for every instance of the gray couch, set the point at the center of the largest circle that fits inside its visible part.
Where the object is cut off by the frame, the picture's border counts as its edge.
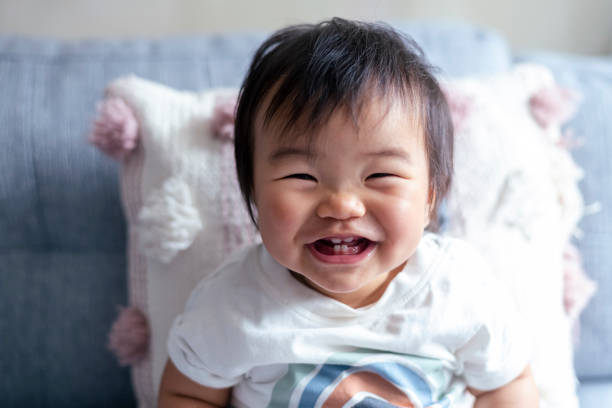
(62, 232)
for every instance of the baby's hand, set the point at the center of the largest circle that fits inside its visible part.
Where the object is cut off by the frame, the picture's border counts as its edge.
(519, 393)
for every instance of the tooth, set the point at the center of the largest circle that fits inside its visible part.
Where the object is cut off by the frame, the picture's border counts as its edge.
(336, 240)
(337, 248)
(349, 240)
(345, 248)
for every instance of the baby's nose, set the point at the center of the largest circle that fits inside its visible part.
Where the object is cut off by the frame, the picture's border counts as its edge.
(341, 206)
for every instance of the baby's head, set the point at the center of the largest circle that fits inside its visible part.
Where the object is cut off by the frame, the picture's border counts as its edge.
(344, 148)
(302, 74)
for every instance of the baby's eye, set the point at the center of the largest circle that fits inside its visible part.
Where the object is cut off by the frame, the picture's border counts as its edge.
(379, 175)
(302, 176)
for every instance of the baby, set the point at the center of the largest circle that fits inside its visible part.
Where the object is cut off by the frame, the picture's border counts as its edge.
(344, 149)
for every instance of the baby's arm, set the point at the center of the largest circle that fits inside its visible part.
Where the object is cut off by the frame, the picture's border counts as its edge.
(519, 393)
(178, 391)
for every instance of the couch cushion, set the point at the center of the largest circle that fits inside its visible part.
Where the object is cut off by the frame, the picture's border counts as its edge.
(55, 310)
(595, 393)
(592, 77)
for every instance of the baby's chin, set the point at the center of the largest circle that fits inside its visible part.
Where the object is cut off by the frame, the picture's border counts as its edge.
(332, 289)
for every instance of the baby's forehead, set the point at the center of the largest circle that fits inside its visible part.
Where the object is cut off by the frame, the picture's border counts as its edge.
(380, 130)
(365, 117)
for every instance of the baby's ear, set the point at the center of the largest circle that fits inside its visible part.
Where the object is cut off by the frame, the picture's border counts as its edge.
(427, 215)
(431, 198)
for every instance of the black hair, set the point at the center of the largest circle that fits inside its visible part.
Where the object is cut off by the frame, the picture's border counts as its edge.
(308, 71)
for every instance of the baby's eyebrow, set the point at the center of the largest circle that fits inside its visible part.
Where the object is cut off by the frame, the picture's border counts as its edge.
(284, 152)
(391, 153)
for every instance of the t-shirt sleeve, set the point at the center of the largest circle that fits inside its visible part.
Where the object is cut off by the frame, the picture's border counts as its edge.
(189, 352)
(493, 357)
(499, 348)
(207, 342)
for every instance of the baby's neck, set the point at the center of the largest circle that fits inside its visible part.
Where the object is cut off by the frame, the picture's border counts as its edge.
(362, 297)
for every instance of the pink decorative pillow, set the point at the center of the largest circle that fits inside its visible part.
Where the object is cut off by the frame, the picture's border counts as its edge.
(515, 196)
(183, 207)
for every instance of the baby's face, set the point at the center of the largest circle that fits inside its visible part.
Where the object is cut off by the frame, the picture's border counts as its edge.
(347, 213)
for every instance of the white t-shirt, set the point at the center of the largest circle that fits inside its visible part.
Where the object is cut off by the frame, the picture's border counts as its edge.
(443, 323)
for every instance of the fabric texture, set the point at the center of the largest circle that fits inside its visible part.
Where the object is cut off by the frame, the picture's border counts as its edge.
(444, 320)
(516, 198)
(592, 128)
(51, 300)
(182, 203)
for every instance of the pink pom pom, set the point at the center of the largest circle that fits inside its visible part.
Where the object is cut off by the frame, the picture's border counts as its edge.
(578, 288)
(553, 105)
(460, 106)
(222, 123)
(115, 130)
(129, 336)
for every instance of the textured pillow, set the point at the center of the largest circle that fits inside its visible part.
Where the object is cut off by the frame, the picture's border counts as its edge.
(183, 207)
(514, 196)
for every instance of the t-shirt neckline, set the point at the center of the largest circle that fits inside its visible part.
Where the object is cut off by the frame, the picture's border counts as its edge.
(302, 300)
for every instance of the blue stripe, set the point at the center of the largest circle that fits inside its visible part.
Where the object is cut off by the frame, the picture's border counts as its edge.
(316, 386)
(395, 373)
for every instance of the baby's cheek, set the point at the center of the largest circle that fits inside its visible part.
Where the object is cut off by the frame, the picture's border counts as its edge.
(279, 224)
(281, 209)
(403, 220)
(278, 213)
(393, 211)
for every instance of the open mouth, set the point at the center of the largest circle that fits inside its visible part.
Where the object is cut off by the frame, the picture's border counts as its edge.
(341, 250)
(337, 246)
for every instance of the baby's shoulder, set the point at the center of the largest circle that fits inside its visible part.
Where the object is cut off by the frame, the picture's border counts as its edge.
(219, 288)
(463, 293)
(444, 256)
(462, 273)
(450, 254)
